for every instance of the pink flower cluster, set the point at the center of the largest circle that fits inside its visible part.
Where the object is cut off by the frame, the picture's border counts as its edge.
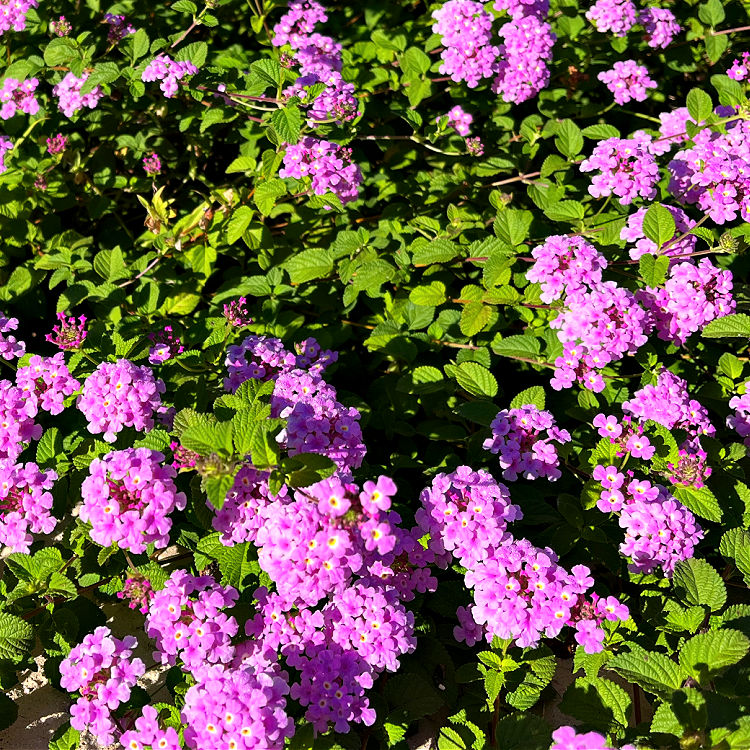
(740, 69)
(521, 8)
(692, 296)
(659, 530)
(626, 169)
(525, 439)
(17, 425)
(70, 99)
(672, 130)
(627, 435)
(237, 709)
(6, 145)
(668, 402)
(459, 120)
(466, 29)
(633, 232)
(69, 333)
(596, 327)
(170, 72)
(522, 63)
(10, 346)
(237, 314)
(166, 346)
(740, 420)
(18, 96)
(13, 14)
(25, 504)
(152, 164)
(186, 621)
(56, 145)
(327, 164)
(466, 513)
(127, 498)
(617, 16)
(148, 734)
(565, 264)
(714, 173)
(101, 669)
(627, 81)
(298, 23)
(138, 593)
(120, 394)
(660, 26)
(47, 381)
(565, 738)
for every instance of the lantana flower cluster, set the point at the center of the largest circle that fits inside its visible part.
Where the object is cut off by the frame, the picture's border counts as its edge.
(127, 498)
(70, 99)
(102, 671)
(18, 96)
(677, 246)
(627, 81)
(619, 16)
(171, 73)
(47, 382)
(525, 440)
(10, 346)
(13, 14)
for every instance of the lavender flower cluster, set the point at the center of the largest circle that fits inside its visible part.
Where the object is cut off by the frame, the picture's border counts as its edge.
(619, 17)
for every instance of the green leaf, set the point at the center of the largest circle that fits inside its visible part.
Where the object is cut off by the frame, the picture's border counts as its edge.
(437, 251)
(730, 365)
(474, 318)
(195, 52)
(711, 12)
(238, 223)
(267, 193)
(736, 325)
(517, 346)
(209, 437)
(476, 379)
(701, 501)
(597, 701)
(110, 264)
(16, 637)
(185, 6)
(533, 395)
(412, 697)
(430, 295)
(287, 122)
(304, 469)
(700, 584)
(512, 225)
(652, 671)
(653, 269)
(571, 211)
(707, 654)
(716, 46)
(658, 225)
(569, 140)
(414, 62)
(49, 446)
(699, 105)
(601, 132)
(315, 263)
(60, 51)
(235, 562)
(730, 92)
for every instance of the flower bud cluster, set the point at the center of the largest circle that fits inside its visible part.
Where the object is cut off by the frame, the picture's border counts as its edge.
(69, 333)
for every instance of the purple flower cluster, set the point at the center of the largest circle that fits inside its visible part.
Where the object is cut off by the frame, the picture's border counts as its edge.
(69, 333)
(13, 14)
(152, 164)
(148, 734)
(660, 26)
(298, 23)
(47, 381)
(627, 81)
(627, 435)
(740, 69)
(327, 164)
(336, 103)
(101, 669)
(170, 72)
(668, 403)
(18, 96)
(10, 346)
(692, 296)
(257, 358)
(522, 8)
(714, 173)
(659, 530)
(120, 394)
(17, 425)
(127, 498)
(626, 169)
(525, 439)
(185, 619)
(119, 27)
(466, 513)
(617, 16)
(596, 327)
(565, 264)
(6, 145)
(671, 130)
(70, 99)
(520, 592)
(166, 346)
(459, 120)
(522, 63)
(25, 504)
(237, 709)
(466, 29)
(740, 420)
(674, 247)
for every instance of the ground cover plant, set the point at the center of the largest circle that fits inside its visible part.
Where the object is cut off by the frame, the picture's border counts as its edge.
(389, 359)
